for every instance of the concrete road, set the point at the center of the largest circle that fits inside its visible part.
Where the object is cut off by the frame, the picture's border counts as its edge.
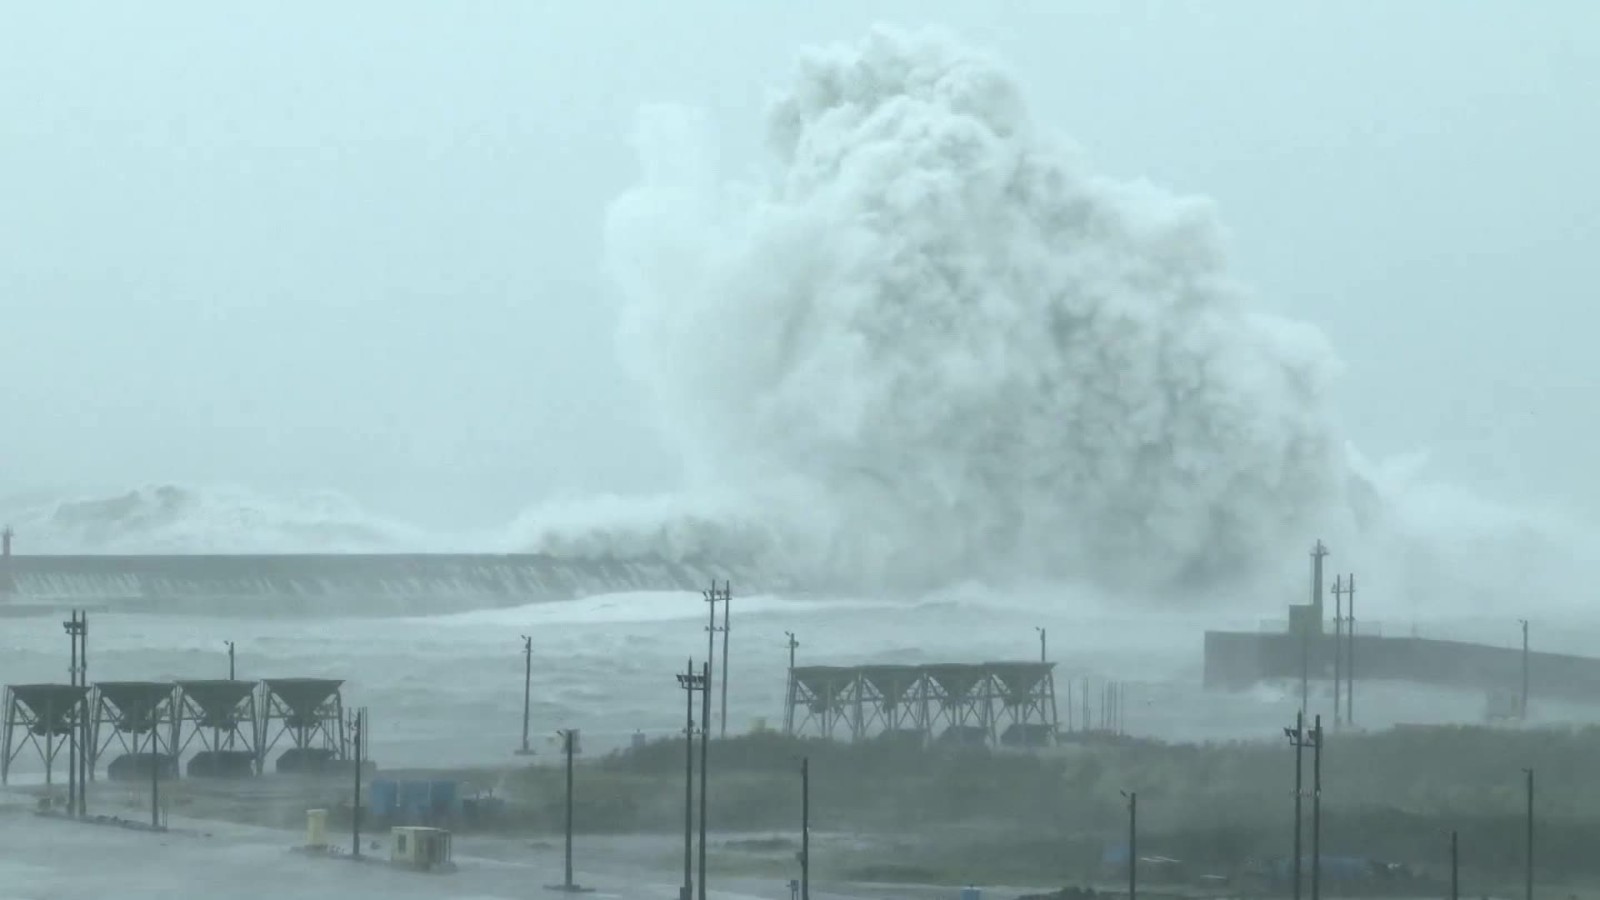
(65, 860)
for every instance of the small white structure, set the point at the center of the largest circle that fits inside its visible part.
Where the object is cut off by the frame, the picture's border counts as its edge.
(424, 849)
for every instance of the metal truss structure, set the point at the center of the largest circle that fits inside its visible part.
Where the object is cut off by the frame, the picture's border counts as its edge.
(43, 716)
(992, 703)
(131, 711)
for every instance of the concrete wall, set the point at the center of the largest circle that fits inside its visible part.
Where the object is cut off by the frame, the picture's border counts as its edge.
(343, 584)
(1236, 660)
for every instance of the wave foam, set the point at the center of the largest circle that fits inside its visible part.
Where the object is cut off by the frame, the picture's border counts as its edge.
(172, 519)
(935, 345)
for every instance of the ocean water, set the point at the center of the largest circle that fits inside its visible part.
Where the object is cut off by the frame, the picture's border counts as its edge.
(447, 690)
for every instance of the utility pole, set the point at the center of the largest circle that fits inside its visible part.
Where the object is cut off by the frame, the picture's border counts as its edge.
(727, 604)
(690, 681)
(1528, 873)
(527, 692)
(788, 700)
(1133, 843)
(1316, 811)
(357, 725)
(230, 660)
(73, 736)
(1319, 552)
(1041, 642)
(1297, 740)
(713, 596)
(85, 760)
(1455, 869)
(805, 828)
(1350, 648)
(1338, 648)
(705, 746)
(1524, 669)
(155, 774)
(569, 738)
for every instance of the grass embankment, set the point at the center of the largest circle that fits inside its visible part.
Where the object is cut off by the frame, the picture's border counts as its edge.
(952, 816)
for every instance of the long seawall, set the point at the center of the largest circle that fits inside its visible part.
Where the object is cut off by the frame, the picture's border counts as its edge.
(336, 584)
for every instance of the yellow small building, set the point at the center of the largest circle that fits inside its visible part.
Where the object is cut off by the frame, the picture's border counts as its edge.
(424, 849)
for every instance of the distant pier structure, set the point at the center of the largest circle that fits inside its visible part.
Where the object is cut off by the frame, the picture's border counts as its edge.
(991, 703)
(1306, 650)
(8, 585)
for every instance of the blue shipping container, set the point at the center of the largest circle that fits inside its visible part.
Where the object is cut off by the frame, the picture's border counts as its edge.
(383, 797)
(414, 804)
(442, 795)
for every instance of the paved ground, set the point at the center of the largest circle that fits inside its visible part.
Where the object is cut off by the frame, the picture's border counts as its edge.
(44, 857)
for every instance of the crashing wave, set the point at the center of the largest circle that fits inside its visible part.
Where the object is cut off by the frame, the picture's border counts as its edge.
(935, 345)
(172, 519)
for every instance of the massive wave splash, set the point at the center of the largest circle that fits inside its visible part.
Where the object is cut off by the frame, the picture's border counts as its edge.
(167, 518)
(933, 344)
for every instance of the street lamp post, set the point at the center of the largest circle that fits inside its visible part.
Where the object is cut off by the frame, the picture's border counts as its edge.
(1524, 622)
(727, 605)
(1133, 843)
(357, 725)
(788, 700)
(1040, 629)
(805, 828)
(690, 681)
(1528, 871)
(230, 660)
(1316, 810)
(569, 740)
(705, 739)
(712, 596)
(1297, 740)
(72, 629)
(155, 774)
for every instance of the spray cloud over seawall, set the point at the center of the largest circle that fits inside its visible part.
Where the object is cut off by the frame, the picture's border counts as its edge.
(933, 345)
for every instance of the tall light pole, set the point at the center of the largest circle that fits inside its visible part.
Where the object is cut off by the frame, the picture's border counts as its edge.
(569, 740)
(690, 681)
(1133, 843)
(1297, 740)
(527, 692)
(1040, 629)
(230, 660)
(1316, 810)
(788, 700)
(713, 596)
(1524, 668)
(1528, 871)
(155, 774)
(727, 604)
(705, 746)
(358, 722)
(85, 760)
(1338, 648)
(72, 628)
(805, 828)
(1350, 650)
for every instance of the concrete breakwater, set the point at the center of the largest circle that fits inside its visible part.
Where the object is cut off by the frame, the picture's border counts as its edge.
(339, 584)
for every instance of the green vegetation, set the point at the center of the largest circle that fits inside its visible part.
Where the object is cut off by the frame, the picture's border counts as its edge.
(1048, 817)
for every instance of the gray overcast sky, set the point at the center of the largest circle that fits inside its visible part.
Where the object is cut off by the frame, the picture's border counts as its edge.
(358, 245)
